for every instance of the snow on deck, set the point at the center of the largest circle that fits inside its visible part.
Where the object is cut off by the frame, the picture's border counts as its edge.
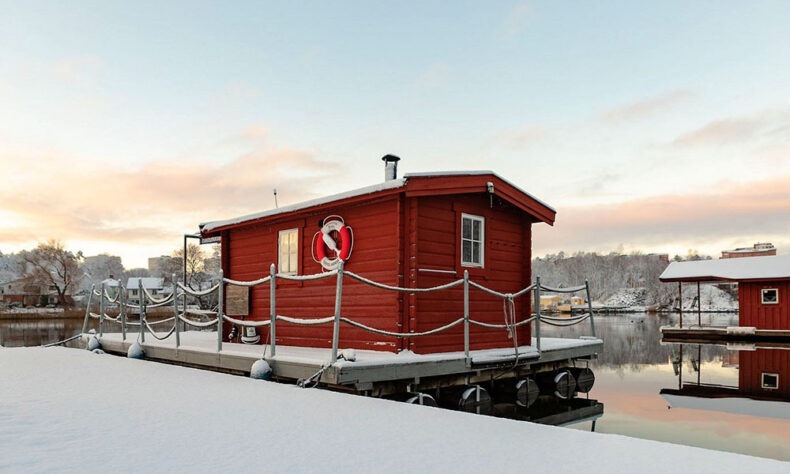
(70, 410)
(733, 269)
(205, 341)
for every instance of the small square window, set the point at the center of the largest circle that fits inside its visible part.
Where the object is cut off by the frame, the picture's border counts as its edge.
(288, 245)
(770, 296)
(472, 240)
(770, 381)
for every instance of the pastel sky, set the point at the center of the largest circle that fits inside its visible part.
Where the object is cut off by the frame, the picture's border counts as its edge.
(659, 126)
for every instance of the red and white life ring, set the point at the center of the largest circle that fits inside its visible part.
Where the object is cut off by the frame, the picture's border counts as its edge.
(327, 251)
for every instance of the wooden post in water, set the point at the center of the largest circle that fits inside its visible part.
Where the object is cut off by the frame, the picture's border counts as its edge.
(699, 307)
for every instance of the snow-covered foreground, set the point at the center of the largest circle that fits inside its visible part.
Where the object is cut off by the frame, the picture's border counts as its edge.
(72, 410)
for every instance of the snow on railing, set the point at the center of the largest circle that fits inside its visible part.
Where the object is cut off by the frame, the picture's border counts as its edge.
(508, 301)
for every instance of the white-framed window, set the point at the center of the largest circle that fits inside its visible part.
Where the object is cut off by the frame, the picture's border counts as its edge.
(770, 296)
(288, 249)
(472, 240)
(770, 381)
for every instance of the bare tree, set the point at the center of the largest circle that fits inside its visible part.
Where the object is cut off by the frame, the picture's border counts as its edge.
(50, 265)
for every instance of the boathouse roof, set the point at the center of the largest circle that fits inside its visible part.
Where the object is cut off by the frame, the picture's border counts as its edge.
(446, 182)
(769, 268)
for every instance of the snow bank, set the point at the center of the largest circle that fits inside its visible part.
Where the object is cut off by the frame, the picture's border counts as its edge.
(70, 411)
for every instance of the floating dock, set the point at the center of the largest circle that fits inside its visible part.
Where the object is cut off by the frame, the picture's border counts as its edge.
(704, 334)
(379, 371)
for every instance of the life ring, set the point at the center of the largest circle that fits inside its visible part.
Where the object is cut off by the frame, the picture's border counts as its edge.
(326, 243)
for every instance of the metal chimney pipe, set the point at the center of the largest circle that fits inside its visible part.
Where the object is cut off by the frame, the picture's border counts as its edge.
(390, 167)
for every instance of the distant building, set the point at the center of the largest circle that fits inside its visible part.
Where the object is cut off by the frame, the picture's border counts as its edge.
(760, 249)
(26, 293)
(158, 264)
(660, 256)
(154, 286)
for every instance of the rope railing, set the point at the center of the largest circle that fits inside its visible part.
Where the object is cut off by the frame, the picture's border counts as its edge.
(508, 301)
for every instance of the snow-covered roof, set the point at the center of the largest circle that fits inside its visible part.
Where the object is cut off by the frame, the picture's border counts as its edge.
(730, 269)
(383, 186)
(149, 283)
(736, 405)
(109, 282)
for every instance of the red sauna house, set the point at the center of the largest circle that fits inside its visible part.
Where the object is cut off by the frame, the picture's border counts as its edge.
(763, 286)
(419, 231)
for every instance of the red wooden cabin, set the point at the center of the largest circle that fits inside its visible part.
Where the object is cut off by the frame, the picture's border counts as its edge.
(419, 231)
(763, 286)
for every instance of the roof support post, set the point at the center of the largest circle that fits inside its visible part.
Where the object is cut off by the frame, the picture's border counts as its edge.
(680, 302)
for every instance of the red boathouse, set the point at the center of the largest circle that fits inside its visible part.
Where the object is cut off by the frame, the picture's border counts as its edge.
(763, 286)
(422, 230)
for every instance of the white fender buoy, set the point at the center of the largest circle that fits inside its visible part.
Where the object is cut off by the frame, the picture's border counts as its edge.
(93, 343)
(261, 370)
(135, 351)
(98, 351)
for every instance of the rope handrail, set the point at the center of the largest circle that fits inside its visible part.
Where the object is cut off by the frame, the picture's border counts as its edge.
(111, 300)
(570, 323)
(382, 332)
(241, 322)
(314, 276)
(153, 333)
(572, 289)
(579, 317)
(156, 300)
(198, 324)
(247, 283)
(192, 292)
(501, 295)
(305, 321)
(171, 318)
(402, 289)
(64, 341)
(502, 326)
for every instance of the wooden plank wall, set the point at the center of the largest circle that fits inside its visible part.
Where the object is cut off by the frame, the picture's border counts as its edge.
(375, 255)
(507, 251)
(763, 316)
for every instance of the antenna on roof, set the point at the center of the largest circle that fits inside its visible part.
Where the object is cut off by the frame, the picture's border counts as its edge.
(275, 199)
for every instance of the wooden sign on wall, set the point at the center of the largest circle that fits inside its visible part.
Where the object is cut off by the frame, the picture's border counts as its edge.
(237, 300)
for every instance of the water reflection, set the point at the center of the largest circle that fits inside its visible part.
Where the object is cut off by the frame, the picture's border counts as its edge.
(762, 388)
(25, 332)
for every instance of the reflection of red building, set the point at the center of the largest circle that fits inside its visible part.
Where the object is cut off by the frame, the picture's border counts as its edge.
(759, 369)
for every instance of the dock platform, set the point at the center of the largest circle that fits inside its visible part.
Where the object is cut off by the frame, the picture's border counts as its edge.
(199, 349)
(724, 334)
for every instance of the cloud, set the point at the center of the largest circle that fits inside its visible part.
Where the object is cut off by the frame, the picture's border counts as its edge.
(718, 216)
(75, 199)
(646, 108)
(76, 68)
(435, 75)
(517, 19)
(771, 124)
(520, 138)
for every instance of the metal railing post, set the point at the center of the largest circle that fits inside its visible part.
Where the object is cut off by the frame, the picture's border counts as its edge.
(141, 301)
(466, 319)
(537, 312)
(88, 310)
(272, 311)
(589, 307)
(122, 308)
(336, 328)
(220, 308)
(175, 312)
(101, 311)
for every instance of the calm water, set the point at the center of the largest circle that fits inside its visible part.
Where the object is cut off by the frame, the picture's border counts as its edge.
(631, 374)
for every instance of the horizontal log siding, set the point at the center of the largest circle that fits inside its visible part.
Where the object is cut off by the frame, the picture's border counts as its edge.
(764, 316)
(375, 255)
(507, 247)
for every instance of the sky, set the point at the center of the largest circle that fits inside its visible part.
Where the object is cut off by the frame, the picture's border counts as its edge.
(652, 126)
